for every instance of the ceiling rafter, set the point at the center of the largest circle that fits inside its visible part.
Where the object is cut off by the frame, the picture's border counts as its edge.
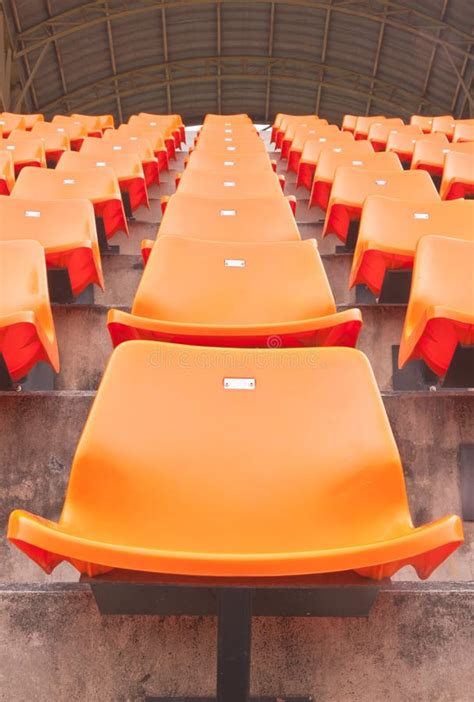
(57, 53)
(271, 31)
(323, 55)
(25, 59)
(113, 63)
(252, 68)
(416, 22)
(432, 58)
(219, 51)
(375, 67)
(164, 36)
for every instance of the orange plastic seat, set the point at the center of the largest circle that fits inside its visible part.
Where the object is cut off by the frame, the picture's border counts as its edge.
(231, 162)
(55, 139)
(349, 123)
(27, 333)
(362, 125)
(463, 131)
(220, 131)
(64, 228)
(226, 219)
(440, 312)
(458, 175)
(444, 124)
(242, 183)
(212, 142)
(379, 131)
(127, 168)
(74, 128)
(303, 135)
(276, 125)
(98, 185)
(196, 482)
(358, 155)
(7, 173)
(403, 143)
(352, 186)
(165, 128)
(25, 152)
(424, 122)
(175, 120)
(227, 120)
(177, 300)
(10, 121)
(286, 120)
(155, 138)
(312, 150)
(19, 121)
(95, 124)
(288, 129)
(115, 144)
(429, 155)
(390, 230)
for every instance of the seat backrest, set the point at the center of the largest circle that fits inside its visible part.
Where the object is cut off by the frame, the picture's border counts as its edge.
(444, 124)
(123, 165)
(354, 185)
(233, 283)
(303, 459)
(137, 132)
(402, 223)
(51, 184)
(404, 141)
(24, 149)
(362, 125)
(23, 281)
(333, 158)
(116, 144)
(302, 134)
(228, 162)
(227, 119)
(240, 184)
(433, 153)
(45, 221)
(314, 146)
(224, 219)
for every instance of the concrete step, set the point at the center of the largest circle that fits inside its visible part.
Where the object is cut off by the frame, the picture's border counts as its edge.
(84, 342)
(415, 645)
(39, 433)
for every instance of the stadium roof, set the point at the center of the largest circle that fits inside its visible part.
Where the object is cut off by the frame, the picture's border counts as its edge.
(330, 57)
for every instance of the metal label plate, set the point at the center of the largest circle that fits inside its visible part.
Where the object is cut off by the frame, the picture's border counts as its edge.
(32, 213)
(228, 213)
(239, 383)
(421, 215)
(234, 262)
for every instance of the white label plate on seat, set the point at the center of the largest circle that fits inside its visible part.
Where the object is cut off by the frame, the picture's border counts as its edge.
(228, 213)
(239, 383)
(234, 262)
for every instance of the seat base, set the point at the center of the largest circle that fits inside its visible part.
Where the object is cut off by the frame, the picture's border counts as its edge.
(6, 381)
(234, 601)
(466, 471)
(351, 240)
(415, 376)
(104, 245)
(396, 287)
(460, 373)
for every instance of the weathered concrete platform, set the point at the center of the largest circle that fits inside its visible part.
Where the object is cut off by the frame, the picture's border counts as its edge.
(34, 468)
(415, 645)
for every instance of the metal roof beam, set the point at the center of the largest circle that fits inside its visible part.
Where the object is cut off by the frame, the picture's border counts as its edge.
(461, 82)
(376, 64)
(58, 56)
(164, 34)
(25, 61)
(113, 62)
(219, 51)
(271, 32)
(323, 56)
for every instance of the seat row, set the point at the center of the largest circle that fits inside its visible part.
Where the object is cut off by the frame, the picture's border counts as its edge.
(192, 454)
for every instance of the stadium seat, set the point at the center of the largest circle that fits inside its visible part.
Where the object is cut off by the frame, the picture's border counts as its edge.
(75, 129)
(252, 219)
(363, 158)
(98, 185)
(55, 142)
(10, 121)
(390, 230)
(352, 186)
(458, 175)
(229, 163)
(190, 457)
(403, 144)
(164, 128)
(349, 123)
(220, 130)
(463, 131)
(7, 173)
(276, 125)
(27, 333)
(440, 313)
(241, 183)
(430, 155)
(127, 168)
(445, 125)
(155, 139)
(312, 150)
(235, 294)
(298, 120)
(175, 121)
(25, 152)
(235, 143)
(288, 130)
(64, 228)
(380, 133)
(227, 120)
(114, 142)
(95, 124)
(91, 124)
(424, 122)
(362, 125)
(303, 135)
